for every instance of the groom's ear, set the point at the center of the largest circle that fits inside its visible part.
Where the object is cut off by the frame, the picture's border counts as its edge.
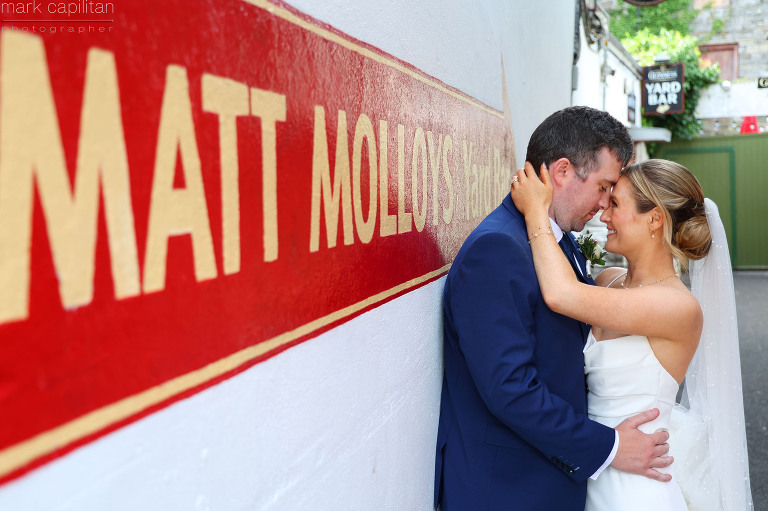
(560, 171)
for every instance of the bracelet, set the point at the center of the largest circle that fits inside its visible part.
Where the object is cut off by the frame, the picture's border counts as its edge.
(536, 235)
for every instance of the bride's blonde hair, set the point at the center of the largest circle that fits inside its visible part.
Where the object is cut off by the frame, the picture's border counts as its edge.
(678, 195)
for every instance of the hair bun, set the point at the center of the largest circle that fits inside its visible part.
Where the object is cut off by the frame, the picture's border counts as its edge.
(693, 237)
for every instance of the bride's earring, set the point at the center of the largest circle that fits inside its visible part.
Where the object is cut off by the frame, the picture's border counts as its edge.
(653, 235)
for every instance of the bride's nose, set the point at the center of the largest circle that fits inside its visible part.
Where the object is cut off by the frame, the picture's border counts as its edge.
(605, 216)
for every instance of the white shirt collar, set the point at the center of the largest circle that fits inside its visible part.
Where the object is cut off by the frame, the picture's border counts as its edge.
(556, 230)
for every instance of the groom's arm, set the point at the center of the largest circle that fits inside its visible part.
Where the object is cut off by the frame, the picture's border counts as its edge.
(493, 296)
(610, 458)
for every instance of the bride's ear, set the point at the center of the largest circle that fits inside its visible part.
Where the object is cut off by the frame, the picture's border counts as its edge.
(656, 219)
(560, 170)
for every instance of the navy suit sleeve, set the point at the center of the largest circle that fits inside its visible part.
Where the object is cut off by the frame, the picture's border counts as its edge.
(493, 296)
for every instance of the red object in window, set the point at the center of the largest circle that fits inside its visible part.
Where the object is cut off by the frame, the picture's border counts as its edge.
(749, 125)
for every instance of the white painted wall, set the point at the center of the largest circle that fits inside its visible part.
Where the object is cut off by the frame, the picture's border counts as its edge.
(346, 420)
(737, 99)
(609, 95)
(463, 43)
(624, 81)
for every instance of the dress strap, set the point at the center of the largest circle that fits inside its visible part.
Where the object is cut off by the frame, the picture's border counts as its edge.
(617, 277)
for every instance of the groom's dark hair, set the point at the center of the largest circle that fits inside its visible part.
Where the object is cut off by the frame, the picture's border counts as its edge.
(579, 133)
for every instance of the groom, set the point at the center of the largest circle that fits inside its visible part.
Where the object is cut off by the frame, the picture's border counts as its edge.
(513, 432)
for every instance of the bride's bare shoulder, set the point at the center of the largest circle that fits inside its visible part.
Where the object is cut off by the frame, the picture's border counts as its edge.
(685, 307)
(689, 303)
(610, 276)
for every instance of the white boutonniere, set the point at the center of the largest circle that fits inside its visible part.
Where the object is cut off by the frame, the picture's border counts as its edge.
(592, 251)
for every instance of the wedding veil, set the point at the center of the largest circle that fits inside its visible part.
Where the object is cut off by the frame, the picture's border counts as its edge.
(713, 472)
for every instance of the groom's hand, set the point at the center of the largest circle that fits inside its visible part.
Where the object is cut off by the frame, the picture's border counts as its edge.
(640, 453)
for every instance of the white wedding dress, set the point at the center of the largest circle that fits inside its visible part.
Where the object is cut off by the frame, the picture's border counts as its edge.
(707, 433)
(625, 378)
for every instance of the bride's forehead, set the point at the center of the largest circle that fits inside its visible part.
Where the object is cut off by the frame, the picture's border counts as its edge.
(623, 184)
(622, 187)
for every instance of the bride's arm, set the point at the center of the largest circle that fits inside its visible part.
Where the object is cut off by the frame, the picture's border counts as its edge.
(654, 311)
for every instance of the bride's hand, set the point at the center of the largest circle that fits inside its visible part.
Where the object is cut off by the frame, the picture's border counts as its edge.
(530, 193)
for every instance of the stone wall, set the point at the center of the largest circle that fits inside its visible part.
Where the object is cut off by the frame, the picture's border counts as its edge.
(743, 21)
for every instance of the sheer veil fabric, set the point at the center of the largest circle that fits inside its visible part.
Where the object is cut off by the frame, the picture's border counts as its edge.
(708, 437)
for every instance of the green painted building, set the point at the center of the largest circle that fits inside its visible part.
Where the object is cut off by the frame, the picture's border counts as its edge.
(733, 171)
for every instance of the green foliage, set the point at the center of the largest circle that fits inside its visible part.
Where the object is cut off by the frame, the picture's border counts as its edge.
(645, 45)
(674, 15)
(718, 26)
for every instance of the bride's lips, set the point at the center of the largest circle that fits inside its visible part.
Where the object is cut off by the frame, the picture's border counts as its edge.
(610, 233)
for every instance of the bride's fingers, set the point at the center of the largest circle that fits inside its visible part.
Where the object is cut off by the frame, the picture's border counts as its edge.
(544, 174)
(522, 175)
(529, 171)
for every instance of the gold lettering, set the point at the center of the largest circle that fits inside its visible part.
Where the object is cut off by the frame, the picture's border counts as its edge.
(434, 163)
(271, 108)
(228, 99)
(321, 184)
(31, 148)
(102, 147)
(364, 131)
(448, 210)
(388, 222)
(177, 211)
(404, 220)
(419, 150)
(467, 153)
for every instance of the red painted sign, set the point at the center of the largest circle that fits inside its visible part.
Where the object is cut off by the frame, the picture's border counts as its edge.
(190, 187)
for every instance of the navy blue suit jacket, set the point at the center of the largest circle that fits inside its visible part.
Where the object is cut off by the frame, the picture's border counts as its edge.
(513, 432)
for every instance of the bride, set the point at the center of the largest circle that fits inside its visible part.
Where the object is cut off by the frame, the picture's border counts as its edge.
(649, 334)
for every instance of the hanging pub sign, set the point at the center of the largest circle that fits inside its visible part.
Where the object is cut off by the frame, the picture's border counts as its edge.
(663, 89)
(644, 3)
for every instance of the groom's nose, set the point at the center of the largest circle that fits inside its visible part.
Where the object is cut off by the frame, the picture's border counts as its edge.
(604, 199)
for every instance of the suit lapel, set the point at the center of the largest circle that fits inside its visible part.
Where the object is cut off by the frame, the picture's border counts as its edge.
(574, 257)
(580, 270)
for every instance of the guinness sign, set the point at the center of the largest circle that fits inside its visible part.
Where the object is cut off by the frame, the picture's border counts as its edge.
(663, 89)
(644, 3)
